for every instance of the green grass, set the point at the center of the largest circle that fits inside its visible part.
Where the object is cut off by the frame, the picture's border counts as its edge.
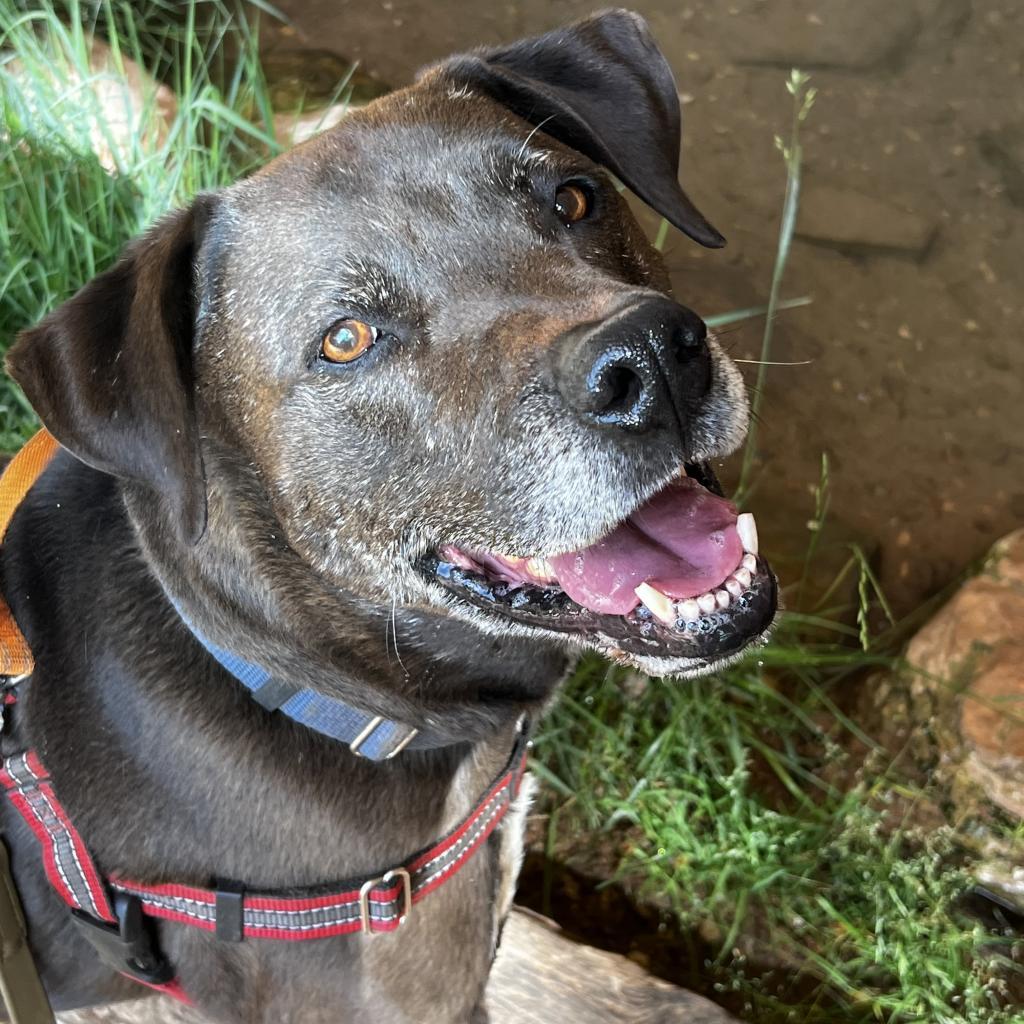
(749, 806)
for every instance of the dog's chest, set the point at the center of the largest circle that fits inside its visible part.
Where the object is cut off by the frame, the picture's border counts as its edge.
(437, 961)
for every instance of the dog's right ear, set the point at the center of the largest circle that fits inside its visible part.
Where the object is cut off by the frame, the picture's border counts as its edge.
(110, 371)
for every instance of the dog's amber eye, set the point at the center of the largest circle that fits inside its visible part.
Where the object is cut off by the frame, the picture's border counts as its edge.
(571, 204)
(347, 340)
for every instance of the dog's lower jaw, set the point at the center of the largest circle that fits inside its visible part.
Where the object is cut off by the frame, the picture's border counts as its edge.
(672, 669)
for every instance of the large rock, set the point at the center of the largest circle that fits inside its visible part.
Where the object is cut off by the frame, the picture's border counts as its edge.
(968, 665)
(853, 222)
(118, 104)
(826, 34)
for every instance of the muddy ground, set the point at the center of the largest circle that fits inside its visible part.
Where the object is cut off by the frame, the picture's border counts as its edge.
(911, 241)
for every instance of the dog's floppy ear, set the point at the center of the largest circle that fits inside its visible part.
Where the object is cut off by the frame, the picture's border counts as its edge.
(602, 87)
(110, 371)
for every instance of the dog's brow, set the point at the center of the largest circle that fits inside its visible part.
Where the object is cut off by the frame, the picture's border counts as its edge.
(536, 157)
(370, 283)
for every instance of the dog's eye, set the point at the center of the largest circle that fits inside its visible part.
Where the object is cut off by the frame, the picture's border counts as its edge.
(347, 340)
(571, 204)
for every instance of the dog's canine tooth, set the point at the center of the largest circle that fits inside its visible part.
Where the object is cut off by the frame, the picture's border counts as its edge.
(689, 610)
(707, 602)
(659, 605)
(722, 598)
(743, 577)
(747, 529)
(749, 563)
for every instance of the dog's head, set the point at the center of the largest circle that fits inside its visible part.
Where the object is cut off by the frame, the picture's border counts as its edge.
(442, 347)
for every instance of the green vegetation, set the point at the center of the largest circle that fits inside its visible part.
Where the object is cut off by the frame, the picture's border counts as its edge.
(750, 807)
(749, 804)
(63, 215)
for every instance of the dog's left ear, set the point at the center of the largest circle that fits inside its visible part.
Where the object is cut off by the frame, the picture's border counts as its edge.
(110, 371)
(602, 87)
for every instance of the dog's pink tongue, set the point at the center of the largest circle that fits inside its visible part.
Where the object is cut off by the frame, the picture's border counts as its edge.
(683, 542)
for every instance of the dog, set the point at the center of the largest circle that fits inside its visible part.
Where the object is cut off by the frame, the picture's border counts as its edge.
(408, 419)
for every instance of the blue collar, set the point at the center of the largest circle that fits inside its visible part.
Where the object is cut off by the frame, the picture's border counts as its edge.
(370, 736)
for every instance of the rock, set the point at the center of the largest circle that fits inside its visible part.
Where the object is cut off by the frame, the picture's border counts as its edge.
(968, 665)
(312, 90)
(540, 977)
(543, 977)
(149, 1010)
(853, 222)
(833, 34)
(992, 728)
(131, 108)
(1002, 882)
(291, 129)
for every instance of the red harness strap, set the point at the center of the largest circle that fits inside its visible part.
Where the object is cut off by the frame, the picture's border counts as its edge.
(379, 903)
(67, 862)
(376, 904)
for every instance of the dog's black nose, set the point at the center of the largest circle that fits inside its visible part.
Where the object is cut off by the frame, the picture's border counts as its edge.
(645, 367)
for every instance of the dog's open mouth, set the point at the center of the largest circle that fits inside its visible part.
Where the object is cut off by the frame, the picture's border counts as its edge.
(680, 578)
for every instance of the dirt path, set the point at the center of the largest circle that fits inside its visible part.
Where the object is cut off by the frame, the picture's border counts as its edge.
(912, 241)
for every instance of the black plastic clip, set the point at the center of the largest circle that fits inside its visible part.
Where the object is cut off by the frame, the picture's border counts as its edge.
(127, 946)
(230, 911)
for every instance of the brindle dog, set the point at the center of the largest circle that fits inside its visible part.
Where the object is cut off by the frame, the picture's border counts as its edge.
(328, 413)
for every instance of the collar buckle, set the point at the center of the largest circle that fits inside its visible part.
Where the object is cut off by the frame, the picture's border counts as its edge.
(368, 886)
(371, 727)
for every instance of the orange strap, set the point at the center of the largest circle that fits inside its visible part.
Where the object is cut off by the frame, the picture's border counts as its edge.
(21, 473)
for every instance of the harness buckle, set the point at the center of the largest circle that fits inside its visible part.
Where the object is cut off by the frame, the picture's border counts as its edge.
(367, 887)
(126, 946)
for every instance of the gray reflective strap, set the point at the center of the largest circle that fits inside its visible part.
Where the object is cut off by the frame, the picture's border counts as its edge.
(19, 980)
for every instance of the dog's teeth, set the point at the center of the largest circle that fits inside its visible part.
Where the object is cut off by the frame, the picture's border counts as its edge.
(747, 529)
(541, 568)
(749, 563)
(722, 598)
(707, 603)
(660, 606)
(689, 610)
(734, 586)
(743, 577)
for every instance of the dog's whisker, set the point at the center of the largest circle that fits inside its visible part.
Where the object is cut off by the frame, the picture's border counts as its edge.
(770, 362)
(536, 128)
(394, 632)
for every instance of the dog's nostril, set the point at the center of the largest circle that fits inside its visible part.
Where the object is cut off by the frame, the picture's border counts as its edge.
(618, 390)
(690, 334)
